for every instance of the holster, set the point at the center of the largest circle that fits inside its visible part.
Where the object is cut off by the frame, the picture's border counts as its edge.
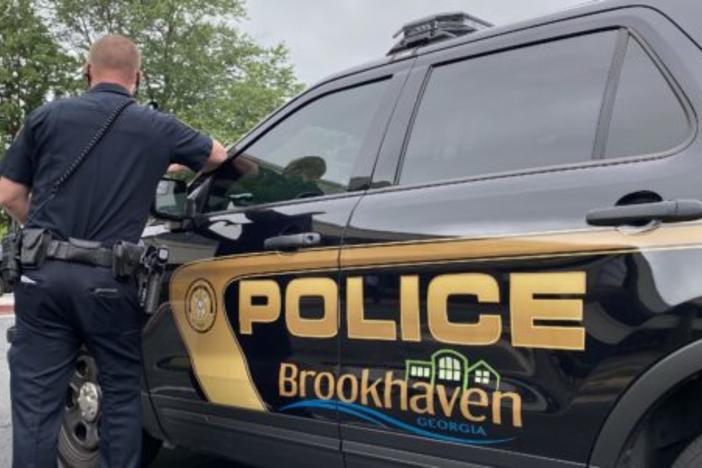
(126, 259)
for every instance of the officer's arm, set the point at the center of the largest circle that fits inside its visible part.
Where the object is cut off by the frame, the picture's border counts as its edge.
(217, 156)
(14, 198)
(17, 173)
(191, 148)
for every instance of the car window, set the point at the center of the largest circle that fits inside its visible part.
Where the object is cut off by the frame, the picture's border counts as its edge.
(310, 153)
(524, 108)
(648, 117)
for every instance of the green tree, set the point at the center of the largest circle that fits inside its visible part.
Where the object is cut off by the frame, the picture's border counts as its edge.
(32, 66)
(198, 65)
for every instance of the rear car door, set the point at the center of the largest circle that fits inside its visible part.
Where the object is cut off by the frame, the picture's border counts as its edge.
(256, 290)
(483, 319)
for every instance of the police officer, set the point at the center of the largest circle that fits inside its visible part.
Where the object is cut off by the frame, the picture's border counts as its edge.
(64, 304)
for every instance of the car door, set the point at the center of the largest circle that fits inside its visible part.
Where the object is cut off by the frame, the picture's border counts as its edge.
(484, 321)
(255, 294)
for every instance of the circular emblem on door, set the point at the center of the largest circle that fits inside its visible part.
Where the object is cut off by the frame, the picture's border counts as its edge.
(201, 307)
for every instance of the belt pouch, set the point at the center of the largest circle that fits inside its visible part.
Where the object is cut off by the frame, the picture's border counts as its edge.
(35, 245)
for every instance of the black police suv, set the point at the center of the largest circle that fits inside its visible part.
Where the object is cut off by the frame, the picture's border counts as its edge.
(482, 250)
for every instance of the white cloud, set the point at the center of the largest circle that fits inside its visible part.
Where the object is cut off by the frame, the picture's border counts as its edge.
(327, 36)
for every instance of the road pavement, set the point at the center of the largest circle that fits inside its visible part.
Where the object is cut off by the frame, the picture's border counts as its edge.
(168, 458)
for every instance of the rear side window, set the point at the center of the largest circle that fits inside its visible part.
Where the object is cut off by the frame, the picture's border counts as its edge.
(530, 107)
(541, 106)
(647, 117)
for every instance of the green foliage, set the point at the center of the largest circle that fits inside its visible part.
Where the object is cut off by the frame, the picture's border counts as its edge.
(197, 64)
(32, 66)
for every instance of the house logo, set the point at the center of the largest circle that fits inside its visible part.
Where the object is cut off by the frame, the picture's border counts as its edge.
(451, 368)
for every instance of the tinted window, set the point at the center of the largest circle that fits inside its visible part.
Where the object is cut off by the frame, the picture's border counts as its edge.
(648, 117)
(529, 107)
(310, 153)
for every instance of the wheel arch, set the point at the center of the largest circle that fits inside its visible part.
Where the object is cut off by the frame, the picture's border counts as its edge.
(665, 376)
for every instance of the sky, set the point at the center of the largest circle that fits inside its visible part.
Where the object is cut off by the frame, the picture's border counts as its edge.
(328, 36)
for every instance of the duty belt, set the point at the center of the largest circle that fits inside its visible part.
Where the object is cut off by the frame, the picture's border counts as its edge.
(80, 251)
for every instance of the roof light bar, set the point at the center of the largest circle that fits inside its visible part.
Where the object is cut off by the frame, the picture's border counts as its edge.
(437, 28)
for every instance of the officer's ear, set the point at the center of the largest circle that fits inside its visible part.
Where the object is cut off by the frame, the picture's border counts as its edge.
(138, 82)
(86, 74)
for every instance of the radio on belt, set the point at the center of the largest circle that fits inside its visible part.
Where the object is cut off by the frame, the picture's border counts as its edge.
(150, 277)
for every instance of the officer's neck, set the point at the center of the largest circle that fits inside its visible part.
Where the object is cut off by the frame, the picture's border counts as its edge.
(129, 87)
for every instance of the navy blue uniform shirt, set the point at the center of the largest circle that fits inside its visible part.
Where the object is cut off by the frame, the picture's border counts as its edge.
(109, 197)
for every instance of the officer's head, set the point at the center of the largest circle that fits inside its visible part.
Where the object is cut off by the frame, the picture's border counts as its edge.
(114, 59)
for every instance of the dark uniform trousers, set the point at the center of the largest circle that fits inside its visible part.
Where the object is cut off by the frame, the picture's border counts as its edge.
(59, 308)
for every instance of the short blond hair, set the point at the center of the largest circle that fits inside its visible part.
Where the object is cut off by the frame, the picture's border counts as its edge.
(115, 53)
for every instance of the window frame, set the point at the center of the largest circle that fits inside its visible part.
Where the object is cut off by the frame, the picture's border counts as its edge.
(635, 21)
(395, 74)
(626, 35)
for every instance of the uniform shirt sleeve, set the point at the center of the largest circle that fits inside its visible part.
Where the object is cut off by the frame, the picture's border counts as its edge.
(18, 162)
(190, 147)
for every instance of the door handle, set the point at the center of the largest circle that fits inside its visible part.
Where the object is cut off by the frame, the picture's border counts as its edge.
(672, 211)
(292, 241)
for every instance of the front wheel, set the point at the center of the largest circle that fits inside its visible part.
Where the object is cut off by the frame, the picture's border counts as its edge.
(79, 438)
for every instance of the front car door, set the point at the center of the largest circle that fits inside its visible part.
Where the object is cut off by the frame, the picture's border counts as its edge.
(256, 293)
(483, 319)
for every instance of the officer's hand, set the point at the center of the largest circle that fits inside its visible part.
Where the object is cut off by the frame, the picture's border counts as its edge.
(217, 156)
(174, 169)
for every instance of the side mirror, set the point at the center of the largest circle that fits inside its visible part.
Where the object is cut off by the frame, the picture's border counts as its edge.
(171, 201)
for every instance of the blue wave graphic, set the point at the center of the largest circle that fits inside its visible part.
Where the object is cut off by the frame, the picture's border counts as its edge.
(383, 420)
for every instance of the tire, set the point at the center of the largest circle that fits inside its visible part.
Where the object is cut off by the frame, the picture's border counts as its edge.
(71, 458)
(691, 457)
(79, 437)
